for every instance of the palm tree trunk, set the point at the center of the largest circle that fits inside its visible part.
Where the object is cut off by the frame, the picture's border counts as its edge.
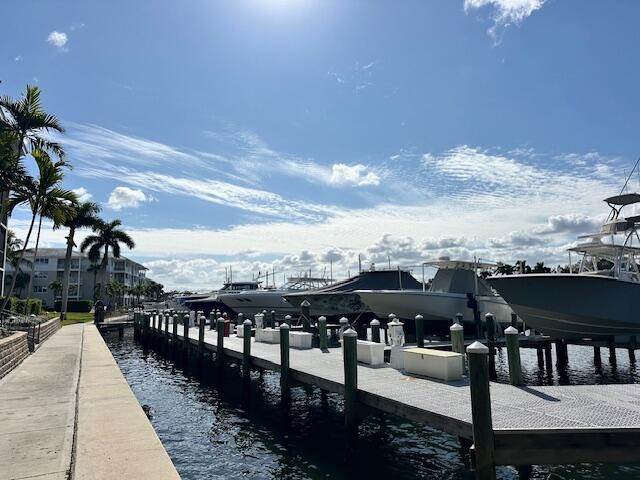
(105, 266)
(35, 254)
(15, 276)
(67, 274)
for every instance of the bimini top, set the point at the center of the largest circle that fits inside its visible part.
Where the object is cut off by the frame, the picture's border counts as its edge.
(623, 199)
(603, 249)
(459, 264)
(370, 280)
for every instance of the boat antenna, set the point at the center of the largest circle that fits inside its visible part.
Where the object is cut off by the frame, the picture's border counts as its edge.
(630, 175)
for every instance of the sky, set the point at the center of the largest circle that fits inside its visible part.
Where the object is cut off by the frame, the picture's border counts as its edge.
(299, 134)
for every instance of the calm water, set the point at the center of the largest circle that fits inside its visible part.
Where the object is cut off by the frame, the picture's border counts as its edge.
(218, 430)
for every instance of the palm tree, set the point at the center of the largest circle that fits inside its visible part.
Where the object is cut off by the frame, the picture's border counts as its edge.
(56, 287)
(84, 216)
(95, 268)
(106, 236)
(45, 198)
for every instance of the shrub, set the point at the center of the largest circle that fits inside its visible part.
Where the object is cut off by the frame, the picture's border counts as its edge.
(34, 306)
(83, 306)
(11, 304)
(20, 306)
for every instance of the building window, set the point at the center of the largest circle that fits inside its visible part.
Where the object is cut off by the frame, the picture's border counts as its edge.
(75, 263)
(39, 275)
(39, 289)
(42, 261)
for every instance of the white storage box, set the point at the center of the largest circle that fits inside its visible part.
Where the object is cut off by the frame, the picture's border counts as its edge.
(300, 340)
(268, 335)
(371, 353)
(239, 330)
(433, 363)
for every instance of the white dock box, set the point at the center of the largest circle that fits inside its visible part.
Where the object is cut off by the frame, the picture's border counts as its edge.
(433, 363)
(371, 353)
(300, 340)
(268, 335)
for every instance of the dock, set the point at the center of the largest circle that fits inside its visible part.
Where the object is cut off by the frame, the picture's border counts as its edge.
(532, 425)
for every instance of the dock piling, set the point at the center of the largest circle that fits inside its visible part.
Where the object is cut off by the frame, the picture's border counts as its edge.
(483, 438)
(284, 356)
(548, 360)
(420, 331)
(490, 325)
(459, 318)
(201, 324)
(514, 320)
(322, 333)
(220, 342)
(212, 320)
(273, 319)
(350, 357)
(185, 337)
(457, 340)
(513, 352)
(375, 330)
(246, 351)
(305, 309)
(597, 358)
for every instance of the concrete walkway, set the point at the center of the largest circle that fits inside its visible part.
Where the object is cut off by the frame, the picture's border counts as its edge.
(72, 386)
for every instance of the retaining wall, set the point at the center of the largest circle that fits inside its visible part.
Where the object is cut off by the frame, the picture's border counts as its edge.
(13, 350)
(49, 328)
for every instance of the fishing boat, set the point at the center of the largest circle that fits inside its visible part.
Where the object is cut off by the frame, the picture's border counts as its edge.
(601, 299)
(250, 302)
(454, 284)
(341, 300)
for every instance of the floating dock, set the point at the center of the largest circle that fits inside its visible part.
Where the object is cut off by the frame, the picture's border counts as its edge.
(531, 425)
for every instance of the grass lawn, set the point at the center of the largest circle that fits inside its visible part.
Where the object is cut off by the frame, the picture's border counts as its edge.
(75, 317)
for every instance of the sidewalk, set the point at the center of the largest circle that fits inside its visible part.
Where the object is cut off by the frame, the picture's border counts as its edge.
(75, 372)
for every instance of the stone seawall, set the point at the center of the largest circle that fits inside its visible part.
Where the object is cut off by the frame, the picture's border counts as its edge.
(49, 328)
(13, 350)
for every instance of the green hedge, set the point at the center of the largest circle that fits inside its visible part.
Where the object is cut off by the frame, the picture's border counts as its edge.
(24, 307)
(83, 306)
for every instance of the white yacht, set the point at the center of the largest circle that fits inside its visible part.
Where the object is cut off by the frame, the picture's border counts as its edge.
(250, 302)
(212, 302)
(446, 296)
(601, 300)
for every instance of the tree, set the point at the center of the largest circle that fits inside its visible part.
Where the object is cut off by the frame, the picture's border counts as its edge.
(505, 269)
(106, 236)
(95, 268)
(84, 216)
(45, 199)
(540, 268)
(56, 287)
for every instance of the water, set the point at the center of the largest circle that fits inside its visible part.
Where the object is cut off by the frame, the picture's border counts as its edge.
(221, 431)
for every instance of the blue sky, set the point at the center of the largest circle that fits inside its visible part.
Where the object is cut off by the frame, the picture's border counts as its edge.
(287, 133)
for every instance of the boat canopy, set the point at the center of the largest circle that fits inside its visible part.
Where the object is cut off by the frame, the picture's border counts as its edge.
(459, 280)
(603, 249)
(623, 199)
(372, 280)
(460, 264)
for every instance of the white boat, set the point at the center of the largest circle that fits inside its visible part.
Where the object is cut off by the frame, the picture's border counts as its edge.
(448, 295)
(211, 301)
(250, 302)
(601, 300)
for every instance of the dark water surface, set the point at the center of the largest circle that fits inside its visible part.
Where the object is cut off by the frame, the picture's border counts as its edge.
(218, 430)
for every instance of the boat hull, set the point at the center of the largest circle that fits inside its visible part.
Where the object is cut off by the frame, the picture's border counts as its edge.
(433, 306)
(331, 305)
(573, 306)
(251, 303)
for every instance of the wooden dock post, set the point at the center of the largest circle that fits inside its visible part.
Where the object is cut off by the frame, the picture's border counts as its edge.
(513, 352)
(201, 324)
(514, 320)
(483, 439)
(350, 357)
(540, 354)
(597, 358)
(457, 340)
(548, 360)
(212, 320)
(284, 355)
(322, 333)
(246, 351)
(185, 337)
(375, 330)
(287, 319)
(562, 356)
(220, 342)
(305, 309)
(490, 325)
(633, 345)
(273, 319)
(145, 328)
(612, 354)
(459, 318)
(420, 331)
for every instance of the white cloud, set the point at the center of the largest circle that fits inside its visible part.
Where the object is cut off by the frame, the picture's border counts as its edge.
(18, 58)
(505, 12)
(356, 175)
(58, 39)
(571, 223)
(82, 194)
(125, 197)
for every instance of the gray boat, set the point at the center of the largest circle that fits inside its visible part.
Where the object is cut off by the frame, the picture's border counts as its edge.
(601, 300)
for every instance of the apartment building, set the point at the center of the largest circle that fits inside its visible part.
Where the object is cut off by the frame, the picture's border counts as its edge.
(49, 266)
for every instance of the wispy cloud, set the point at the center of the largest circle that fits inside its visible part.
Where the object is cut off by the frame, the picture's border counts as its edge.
(505, 12)
(82, 194)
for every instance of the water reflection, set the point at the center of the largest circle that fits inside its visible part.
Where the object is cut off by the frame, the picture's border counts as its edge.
(213, 428)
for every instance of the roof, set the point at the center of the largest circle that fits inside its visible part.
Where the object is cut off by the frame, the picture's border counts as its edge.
(62, 252)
